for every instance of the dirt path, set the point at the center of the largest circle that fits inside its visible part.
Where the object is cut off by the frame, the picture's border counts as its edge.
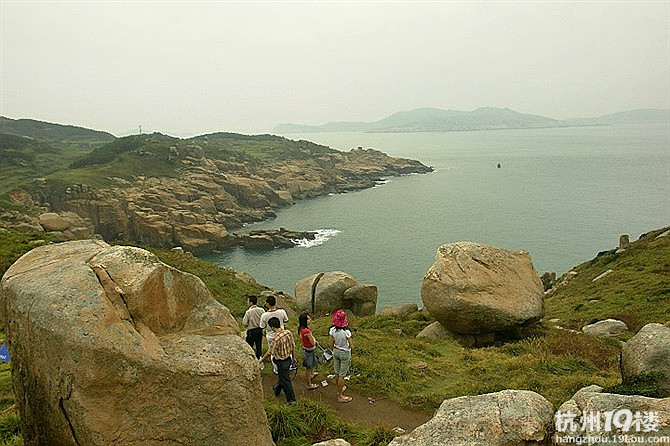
(360, 409)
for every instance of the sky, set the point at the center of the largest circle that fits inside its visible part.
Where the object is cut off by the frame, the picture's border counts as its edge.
(193, 67)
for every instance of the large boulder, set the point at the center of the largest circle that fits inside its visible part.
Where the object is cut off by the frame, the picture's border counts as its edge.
(111, 346)
(474, 288)
(648, 351)
(505, 418)
(591, 414)
(327, 292)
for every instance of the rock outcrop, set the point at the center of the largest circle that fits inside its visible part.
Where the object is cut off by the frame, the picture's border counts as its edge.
(478, 289)
(327, 292)
(607, 327)
(111, 346)
(403, 310)
(619, 409)
(263, 239)
(506, 418)
(648, 351)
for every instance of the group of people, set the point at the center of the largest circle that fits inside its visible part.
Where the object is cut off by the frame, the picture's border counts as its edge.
(281, 345)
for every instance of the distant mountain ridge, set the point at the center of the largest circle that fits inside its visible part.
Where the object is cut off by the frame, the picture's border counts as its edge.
(485, 118)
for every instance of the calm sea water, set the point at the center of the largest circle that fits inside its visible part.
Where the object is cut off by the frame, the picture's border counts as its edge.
(561, 194)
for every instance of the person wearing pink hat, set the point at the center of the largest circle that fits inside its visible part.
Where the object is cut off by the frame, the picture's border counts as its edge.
(340, 342)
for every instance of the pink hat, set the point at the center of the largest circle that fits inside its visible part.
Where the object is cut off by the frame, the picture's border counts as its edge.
(340, 319)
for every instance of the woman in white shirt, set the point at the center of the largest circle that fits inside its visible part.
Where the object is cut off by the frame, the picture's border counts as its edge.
(340, 342)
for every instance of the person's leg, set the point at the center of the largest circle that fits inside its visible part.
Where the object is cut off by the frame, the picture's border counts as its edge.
(285, 380)
(345, 362)
(337, 364)
(277, 387)
(308, 377)
(258, 341)
(250, 338)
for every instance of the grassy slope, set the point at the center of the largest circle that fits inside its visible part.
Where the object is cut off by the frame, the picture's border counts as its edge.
(637, 292)
(554, 363)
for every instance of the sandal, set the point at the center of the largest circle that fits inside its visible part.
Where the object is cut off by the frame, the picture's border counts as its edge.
(312, 386)
(344, 399)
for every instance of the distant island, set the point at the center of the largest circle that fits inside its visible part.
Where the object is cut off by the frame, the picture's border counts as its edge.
(485, 118)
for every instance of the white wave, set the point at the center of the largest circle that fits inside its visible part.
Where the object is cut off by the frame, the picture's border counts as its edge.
(382, 181)
(322, 236)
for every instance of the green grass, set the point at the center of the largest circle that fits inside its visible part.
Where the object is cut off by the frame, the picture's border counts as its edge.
(13, 244)
(307, 422)
(554, 363)
(645, 384)
(637, 292)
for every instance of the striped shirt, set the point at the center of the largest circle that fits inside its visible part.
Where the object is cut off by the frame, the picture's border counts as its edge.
(282, 345)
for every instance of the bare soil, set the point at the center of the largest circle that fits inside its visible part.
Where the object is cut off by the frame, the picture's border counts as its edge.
(373, 411)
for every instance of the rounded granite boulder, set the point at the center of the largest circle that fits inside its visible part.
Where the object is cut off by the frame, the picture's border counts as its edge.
(474, 288)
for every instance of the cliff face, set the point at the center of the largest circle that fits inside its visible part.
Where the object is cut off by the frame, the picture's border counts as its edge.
(204, 198)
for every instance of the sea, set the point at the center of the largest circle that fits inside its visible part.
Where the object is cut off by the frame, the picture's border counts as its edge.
(562, 194)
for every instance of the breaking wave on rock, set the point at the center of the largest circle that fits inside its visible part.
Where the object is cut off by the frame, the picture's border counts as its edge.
(322, 236)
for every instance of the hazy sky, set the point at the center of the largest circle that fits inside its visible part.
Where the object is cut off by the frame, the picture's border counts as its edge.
(192, 67)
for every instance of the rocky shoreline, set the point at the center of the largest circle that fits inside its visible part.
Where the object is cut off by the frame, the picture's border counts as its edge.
(205, 199)
(264, 239)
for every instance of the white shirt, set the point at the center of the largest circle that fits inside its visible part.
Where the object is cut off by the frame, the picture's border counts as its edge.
(341, 338)
(280, 314)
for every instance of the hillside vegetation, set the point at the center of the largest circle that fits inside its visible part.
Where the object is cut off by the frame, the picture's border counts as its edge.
(32, 149)
(637, 290)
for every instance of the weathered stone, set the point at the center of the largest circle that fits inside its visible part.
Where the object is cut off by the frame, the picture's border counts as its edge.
(53, 222)
(245, 277)
(648, 351)
(624, 242)
(111, 346)
(389, 310)
(363, 299)
(327, 292)
(407, 309)
(335, 442)
(304, 292)
(258, 242)
(591, 401)
(606, 273)
(435, 331)
(606, 327)
(473, 288)
(506, 418)
(548, 280)
(330, 289)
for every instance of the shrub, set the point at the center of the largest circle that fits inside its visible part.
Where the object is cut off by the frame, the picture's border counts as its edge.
(645, 384)
(10, 426)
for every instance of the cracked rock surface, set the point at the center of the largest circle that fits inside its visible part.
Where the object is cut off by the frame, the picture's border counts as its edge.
(112, 347)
